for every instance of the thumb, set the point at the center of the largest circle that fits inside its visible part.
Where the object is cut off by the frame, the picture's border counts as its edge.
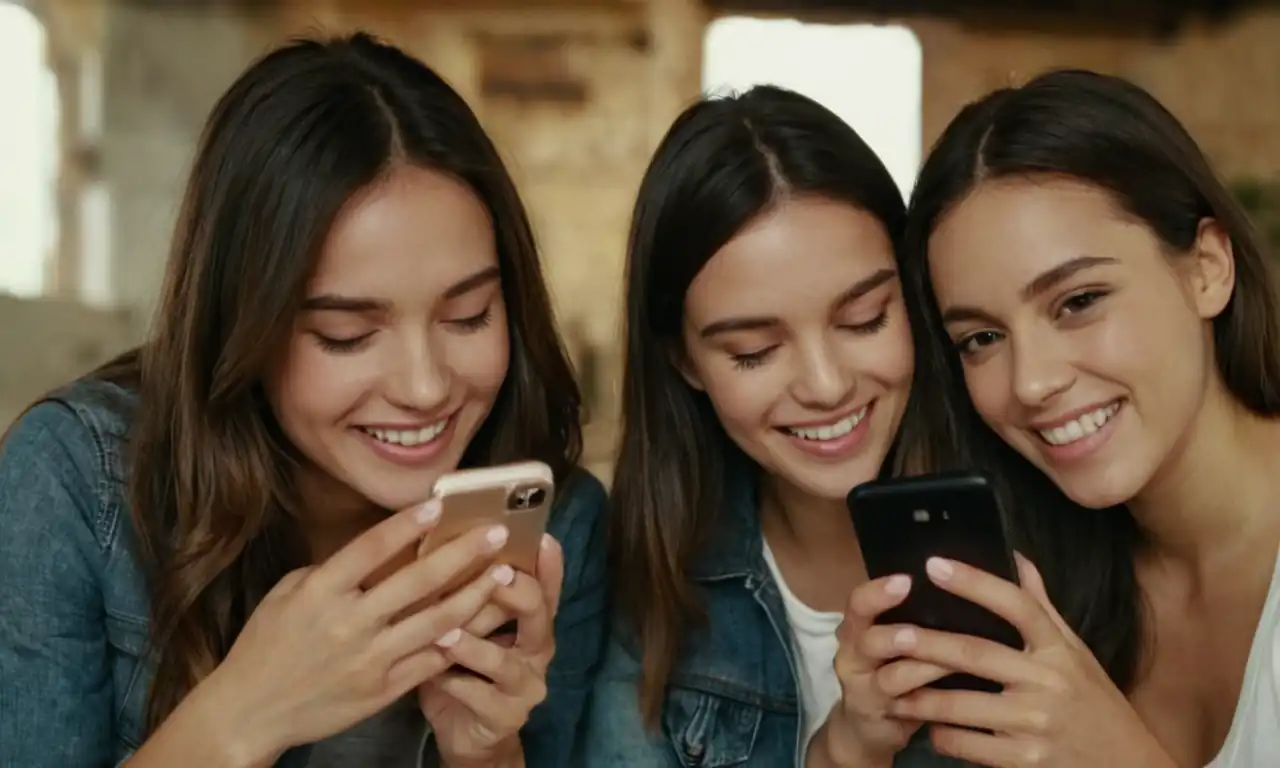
(1029, 575)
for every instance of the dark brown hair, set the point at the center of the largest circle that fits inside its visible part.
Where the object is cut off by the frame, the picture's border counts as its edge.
(297, 135)
(1110, 133)
(723, 163)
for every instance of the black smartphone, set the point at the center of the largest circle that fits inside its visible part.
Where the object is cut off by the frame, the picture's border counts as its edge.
(903, 522)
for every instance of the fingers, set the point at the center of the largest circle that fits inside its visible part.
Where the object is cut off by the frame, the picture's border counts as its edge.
(1003, 598)
(970, 709)
(1029, 575)
(525, 601)
(906, 675)
(433, 572)
(976, 748)
(490, 617)
(352, 564)
(415, 669)
(500, 712)
(425, 627)
(551, 571)
(956, 653)
(504, 667)
(866, 602)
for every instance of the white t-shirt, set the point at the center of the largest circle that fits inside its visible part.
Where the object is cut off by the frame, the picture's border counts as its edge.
(814, 635)
(1254, 738)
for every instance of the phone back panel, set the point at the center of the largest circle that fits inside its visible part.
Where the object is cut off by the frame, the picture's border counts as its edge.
(901, 523)
(517, 496)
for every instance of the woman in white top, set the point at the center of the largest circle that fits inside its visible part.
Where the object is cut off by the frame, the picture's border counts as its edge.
(1072, 261)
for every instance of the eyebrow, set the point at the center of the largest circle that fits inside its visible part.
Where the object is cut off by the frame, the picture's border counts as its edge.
(855, 292)
(1040, 284)
(332, 302)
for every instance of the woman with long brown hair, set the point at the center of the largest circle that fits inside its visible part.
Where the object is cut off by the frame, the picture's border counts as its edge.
(1100, 324)
(200, 543)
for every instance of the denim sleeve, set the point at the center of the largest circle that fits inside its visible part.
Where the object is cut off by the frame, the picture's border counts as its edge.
(581, 624)
(55, 683)
(614, 733)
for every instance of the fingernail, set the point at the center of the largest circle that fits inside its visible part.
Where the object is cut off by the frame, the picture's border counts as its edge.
(450, 638)
(939, 569)
(497, 536)
(898, 585)
(904, 638)
(427, 513)
(504, 575)
(547, 541)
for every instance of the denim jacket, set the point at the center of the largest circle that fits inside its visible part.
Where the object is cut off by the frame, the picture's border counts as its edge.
(74, 603)
(732, 699)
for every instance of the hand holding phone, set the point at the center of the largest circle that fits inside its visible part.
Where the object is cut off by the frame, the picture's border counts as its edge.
(904, 522)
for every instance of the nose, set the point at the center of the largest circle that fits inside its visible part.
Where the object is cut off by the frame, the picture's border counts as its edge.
(1041, 370)
(418, 380)
(821, 381)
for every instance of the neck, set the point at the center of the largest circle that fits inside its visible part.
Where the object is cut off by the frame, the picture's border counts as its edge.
(1214, 501)
(793, 518)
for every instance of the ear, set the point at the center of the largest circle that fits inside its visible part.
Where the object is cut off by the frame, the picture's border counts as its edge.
(1214, 279)
(680, 360)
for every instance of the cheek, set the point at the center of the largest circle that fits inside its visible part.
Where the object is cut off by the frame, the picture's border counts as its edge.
(481, 360)
(312, 387)
(890, 357)
(742, 399)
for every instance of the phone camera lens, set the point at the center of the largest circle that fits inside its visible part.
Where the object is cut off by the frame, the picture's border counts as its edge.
(526, 498)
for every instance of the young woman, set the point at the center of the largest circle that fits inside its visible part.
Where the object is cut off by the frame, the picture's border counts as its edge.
(200, 546)
(769, 363)
(1116, 324)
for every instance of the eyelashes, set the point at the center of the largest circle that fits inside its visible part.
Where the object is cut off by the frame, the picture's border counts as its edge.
(749, 360)
(356, 343)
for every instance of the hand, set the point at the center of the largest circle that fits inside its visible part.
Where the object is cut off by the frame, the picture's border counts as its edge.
(1058, 708)
(321, 653)
(859, 731)
(477, 717)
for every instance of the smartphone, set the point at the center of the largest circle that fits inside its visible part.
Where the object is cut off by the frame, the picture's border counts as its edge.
(903, 522)
(518, 496)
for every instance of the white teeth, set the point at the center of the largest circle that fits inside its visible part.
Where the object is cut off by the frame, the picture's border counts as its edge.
(1081, 427)
(407, 437)
(830, 431)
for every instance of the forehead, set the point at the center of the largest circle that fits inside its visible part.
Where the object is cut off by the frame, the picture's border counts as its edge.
(412, 234)
(1009, 231)
(799, 255)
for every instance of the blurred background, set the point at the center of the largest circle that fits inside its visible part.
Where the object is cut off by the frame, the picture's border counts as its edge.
(101, 103)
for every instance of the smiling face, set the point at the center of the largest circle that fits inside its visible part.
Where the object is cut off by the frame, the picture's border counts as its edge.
(1086, 345)
(402, 345)
(796, 331)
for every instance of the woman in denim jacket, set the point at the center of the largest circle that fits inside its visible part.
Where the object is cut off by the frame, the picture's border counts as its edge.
(769, 366)
(202, 560)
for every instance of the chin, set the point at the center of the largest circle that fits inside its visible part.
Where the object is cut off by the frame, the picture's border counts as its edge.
(1098, 490)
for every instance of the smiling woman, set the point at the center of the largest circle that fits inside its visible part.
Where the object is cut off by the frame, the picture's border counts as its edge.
(1101, 331)
(769, 365)
(207, 545)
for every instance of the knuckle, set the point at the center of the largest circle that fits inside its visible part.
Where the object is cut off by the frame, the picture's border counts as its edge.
(1034, 753)
(1037, 720)
(1058, 684)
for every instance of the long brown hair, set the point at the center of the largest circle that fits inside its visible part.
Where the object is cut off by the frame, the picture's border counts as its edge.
(723, 163)
(1108, 132)
(297, 135)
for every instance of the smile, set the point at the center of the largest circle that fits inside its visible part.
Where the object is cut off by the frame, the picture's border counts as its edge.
(409, 438)
(1080, 427)
(832, 431)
